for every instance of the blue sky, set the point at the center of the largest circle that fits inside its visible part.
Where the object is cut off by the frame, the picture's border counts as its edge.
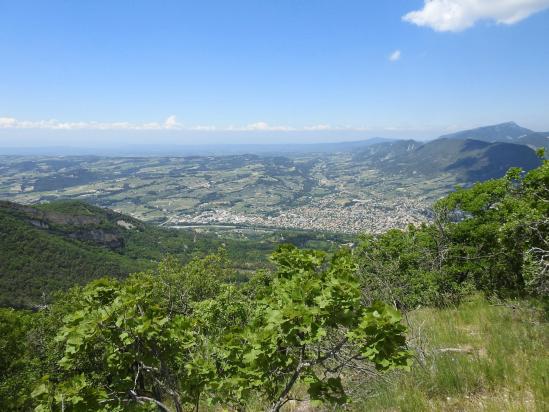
(77, 72)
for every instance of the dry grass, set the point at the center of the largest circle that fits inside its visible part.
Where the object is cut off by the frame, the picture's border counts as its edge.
(477, 357)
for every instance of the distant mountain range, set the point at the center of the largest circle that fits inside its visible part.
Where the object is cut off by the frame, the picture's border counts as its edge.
(471, 155)
(503, 132)
(470, 160)
(509, 132)
(476, 154)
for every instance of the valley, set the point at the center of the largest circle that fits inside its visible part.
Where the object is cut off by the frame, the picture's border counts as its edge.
(330, 193)
(356, 187)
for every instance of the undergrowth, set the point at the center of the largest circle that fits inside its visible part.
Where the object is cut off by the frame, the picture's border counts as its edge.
(480, 356)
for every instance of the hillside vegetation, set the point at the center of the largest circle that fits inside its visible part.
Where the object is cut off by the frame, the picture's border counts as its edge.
(54, 246)
(35, 261)
(479, 356)
(312, 330)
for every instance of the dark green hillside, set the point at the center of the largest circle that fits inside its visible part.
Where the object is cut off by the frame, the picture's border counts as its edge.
(535, 140)
(53, 246)
(497, 158)
(35, 261)
(473, 160)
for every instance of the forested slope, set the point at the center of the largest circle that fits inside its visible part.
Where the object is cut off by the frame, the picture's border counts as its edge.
(54, 246)
(35, 262)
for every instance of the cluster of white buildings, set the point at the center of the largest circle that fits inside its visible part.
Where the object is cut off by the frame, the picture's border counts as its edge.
(372, 216)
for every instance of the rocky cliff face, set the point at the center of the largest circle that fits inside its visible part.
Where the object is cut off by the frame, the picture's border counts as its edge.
(111, 240)
(88, 228)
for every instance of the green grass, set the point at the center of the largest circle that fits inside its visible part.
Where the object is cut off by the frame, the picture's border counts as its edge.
(478, 357)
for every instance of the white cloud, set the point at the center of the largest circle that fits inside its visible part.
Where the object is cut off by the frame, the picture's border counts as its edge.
(7, 122)
(458, 15)
(318, 127)
(258, 126)
(262, 126)
(394, 56)
(171, 124)
(203, 128)
(53, 124)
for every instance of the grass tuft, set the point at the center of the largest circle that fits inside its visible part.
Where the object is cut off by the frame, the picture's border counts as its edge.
(476, 357)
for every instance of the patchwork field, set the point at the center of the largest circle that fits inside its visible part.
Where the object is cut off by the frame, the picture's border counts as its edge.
(331, 192)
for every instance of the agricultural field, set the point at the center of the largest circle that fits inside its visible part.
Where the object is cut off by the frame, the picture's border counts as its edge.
(328, 192)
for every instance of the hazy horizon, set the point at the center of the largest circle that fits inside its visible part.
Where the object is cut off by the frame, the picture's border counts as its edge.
(14, 141)
(116, 73)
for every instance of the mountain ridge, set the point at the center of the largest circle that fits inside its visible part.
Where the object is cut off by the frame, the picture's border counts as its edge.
(469, 159)
(504, 132)
(498, 132)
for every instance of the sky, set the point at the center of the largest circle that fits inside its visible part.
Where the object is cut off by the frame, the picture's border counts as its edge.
(84, 73)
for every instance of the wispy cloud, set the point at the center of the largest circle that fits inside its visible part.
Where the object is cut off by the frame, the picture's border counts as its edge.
(261, 126)
(458, 15)
(395, 56)
(54, 124)
(170, 123)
